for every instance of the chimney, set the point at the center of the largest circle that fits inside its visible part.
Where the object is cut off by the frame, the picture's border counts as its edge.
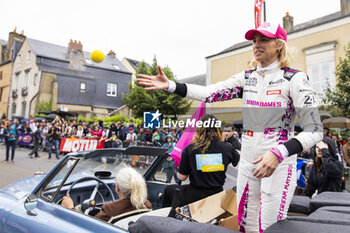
(345, 7)
(75, 55)
(11, 48)
(74, 45)
(111, 54)
(288, 22)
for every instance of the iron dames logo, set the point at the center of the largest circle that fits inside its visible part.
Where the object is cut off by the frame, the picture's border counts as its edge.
(151, 120)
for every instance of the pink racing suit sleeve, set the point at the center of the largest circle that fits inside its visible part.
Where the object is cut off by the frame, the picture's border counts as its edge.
(277, 153)
(221, 91)
(304, 101)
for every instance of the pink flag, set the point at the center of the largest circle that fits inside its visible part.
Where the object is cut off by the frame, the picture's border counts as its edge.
(187, 135)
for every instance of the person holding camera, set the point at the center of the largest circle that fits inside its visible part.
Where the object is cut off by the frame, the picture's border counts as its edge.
(327, 171)
(11, 142)
(53, 138)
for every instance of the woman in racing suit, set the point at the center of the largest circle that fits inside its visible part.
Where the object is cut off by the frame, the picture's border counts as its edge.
(273, 96)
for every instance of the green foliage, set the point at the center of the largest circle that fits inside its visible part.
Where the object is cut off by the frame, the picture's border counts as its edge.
(39, 115)
(339, 98)
(116, 118)
(224, 123)
(139, 100)
(44, 106)
(109, 120)
(343, 132)
(91, 120)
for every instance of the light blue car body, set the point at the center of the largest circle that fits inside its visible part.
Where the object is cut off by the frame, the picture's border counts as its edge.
(50, 217)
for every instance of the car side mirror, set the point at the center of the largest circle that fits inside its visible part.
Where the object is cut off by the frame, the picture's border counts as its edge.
(30, 204)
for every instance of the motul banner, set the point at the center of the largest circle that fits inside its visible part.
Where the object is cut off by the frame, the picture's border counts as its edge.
(24, 139)
(257, 12)
(75, 144)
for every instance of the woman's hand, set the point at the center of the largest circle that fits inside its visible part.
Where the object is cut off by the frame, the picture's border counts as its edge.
(67, 202)
(322, 145)
(159, 82)
(268, 164)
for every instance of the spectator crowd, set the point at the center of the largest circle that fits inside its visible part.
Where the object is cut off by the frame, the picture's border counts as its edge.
(46, 136)
(120, 134)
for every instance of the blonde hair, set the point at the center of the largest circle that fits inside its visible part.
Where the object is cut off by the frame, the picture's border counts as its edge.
(205, 136)
(285, 54)
(132, 185)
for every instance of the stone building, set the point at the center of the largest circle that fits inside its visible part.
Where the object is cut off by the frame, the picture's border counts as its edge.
(66, 79)
(8, 52)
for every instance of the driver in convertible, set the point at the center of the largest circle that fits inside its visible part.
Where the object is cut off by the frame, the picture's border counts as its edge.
(132, 192)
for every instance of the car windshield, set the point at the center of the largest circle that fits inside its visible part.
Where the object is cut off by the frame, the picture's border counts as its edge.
(99, 163)
(109, 162)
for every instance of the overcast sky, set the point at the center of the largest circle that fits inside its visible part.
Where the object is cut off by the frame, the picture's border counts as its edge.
(180, 33)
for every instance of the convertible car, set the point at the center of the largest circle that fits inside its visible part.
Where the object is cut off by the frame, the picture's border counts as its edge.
(33, 204)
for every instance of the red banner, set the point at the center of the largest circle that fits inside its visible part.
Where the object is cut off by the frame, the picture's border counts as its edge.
(257, 12)
(74, 144)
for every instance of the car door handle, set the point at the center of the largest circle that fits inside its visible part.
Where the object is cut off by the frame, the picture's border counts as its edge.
(159, 199)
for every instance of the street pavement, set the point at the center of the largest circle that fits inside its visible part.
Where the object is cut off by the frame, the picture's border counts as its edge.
(23, 166)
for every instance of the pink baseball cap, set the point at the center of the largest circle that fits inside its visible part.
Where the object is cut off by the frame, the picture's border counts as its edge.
(267, 29)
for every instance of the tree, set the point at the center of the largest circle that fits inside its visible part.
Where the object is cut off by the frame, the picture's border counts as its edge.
(44, 106)
(139, 100)
(339, 98)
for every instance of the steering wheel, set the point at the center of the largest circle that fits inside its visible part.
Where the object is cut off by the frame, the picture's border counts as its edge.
(90, 203)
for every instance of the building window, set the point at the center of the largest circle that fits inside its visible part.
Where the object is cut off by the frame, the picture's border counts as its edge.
(111, 89)
(24, 104)
(19, 60)
(0, 74)
(35, 79)
(29, 55)
(26, 79)
(14, 109)
(12, 52)
(320, 62)
(17, 81)
(82, 87)
(0, 93)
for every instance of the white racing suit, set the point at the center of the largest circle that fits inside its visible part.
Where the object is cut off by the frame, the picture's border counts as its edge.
(271, 102)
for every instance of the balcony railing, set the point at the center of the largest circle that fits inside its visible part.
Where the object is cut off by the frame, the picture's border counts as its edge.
(24, 91)
(14, 94)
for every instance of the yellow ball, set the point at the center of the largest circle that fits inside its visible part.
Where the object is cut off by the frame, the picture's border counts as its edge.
(97, 56)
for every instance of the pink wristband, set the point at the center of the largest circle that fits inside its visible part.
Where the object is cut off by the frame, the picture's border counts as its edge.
(277, 153)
